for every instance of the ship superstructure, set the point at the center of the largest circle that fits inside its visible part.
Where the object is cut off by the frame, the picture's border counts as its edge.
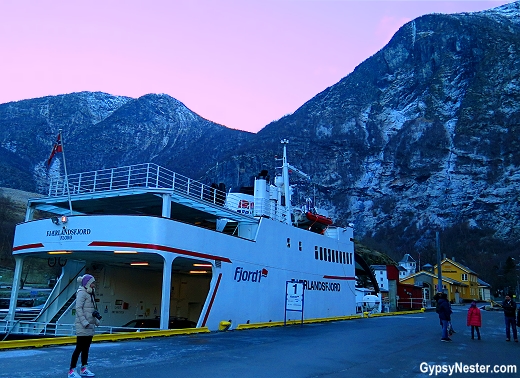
(164, 246)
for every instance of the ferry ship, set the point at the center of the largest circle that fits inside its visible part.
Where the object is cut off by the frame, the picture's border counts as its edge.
(163, 246)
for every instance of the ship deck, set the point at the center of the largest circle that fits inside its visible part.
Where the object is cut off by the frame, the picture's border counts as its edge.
(137, 190)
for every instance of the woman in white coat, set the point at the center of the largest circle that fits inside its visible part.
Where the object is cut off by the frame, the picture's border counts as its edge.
(85, 325)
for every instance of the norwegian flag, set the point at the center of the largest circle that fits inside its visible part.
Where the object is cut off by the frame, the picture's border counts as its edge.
(57, 148)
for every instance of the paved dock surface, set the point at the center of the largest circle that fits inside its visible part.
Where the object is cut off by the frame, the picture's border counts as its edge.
(393, 346)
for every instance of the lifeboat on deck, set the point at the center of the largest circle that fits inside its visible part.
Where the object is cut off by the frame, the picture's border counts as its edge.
(319, 218)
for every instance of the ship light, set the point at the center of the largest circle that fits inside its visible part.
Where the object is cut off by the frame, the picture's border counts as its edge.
(59, 252)
(61, 220)
(198, 272)
(124, 252)
(203, 265)
(139, 263)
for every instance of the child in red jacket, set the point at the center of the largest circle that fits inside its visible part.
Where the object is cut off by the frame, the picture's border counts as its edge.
(474, 320)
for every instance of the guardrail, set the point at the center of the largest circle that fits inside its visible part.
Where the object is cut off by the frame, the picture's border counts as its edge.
(148, 175)
(411, 303)
(153, 176)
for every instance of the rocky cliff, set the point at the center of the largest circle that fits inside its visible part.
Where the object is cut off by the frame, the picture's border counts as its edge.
(421, 137)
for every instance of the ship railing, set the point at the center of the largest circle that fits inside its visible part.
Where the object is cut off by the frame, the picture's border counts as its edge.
(153, 176)
(25, 327)
(148, 175)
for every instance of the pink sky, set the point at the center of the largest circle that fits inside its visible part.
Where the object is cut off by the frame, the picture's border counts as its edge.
(240, 63)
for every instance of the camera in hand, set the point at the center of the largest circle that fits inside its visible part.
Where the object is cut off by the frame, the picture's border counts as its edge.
(97, 315)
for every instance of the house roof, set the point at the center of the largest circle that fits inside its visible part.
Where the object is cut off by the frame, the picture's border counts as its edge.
(458, 265)
(402, 268)
(482, 283)
(444, 279)
(407, 259)
(378, 267)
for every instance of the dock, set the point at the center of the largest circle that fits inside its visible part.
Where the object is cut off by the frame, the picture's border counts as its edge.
(399, 345)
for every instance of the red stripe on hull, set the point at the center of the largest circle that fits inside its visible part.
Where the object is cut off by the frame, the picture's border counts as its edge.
(211, 301)
(339, 278)
(27, 246)
(157, 248)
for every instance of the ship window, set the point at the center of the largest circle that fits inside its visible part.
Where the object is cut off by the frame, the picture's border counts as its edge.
(316, 254)
(288, 242)
(333, 259)
(300, 246)
(344, 258)
(321, 253)
(337, 256)
(330, 257)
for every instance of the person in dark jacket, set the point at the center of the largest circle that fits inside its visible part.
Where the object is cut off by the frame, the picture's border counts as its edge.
(444, 311)
(509, 307)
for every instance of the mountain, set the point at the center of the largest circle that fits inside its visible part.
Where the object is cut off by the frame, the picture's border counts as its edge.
(103, 131)
(422, 137)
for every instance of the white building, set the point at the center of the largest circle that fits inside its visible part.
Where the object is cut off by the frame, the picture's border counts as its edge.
(381, 276)
(409, 264)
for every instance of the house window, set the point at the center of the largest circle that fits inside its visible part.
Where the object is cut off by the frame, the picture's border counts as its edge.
(464, 277)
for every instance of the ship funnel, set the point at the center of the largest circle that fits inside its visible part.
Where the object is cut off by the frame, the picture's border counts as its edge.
(261, 193)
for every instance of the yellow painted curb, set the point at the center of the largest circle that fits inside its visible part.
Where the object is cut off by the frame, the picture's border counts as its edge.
(322, 320)
(42, 342)
(395, 313)
(305, 321)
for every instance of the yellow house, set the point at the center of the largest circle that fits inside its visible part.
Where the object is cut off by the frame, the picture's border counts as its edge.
(458, 281)
(467, 277)
(428, 282)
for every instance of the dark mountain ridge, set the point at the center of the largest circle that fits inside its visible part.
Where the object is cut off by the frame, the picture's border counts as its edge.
(421, 137)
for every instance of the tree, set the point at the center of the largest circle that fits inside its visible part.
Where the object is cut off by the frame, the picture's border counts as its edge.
(510, 279)
(8, 219)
